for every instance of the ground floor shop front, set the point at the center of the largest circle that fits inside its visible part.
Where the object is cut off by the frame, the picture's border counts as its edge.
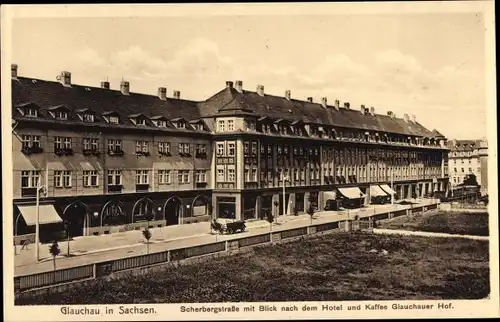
(95, 215)
(256, 204)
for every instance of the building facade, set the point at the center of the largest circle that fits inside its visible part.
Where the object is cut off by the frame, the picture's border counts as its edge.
(113, 160)
(468, 157)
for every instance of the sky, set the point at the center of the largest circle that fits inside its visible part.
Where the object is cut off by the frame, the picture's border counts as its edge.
(431, 65)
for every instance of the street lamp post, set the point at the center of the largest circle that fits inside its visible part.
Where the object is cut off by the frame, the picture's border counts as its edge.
(39, 190)
(284, 199)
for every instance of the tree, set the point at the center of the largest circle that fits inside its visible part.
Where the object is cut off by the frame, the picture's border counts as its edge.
(66, 229)
(310, 212)
(147, 235)
(54, 251)
(270, 219)
(470, 180)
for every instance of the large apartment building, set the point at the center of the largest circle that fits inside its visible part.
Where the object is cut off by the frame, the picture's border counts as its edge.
(468, 157)
(109, 159)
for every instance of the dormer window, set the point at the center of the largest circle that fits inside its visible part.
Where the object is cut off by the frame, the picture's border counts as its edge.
(198, 127)
(111, 117)
(61, 115)
(141, 121)
(32, 112)
(160, 123)
(87, 117)
(181, 125)
(114, 119)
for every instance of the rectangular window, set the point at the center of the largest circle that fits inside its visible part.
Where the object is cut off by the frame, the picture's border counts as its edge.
(114, 177)
(254, 175)
(163, 176)
(246, 148)
(67, 143)
(186, 176)
(141, 176)
(220, 148)
(269, 149)
(67, 179)
(201, 176)
(254, 148)
(230, 125)
(58, 179)
(141, 121)
(26, 141)
(114, 120)
(145, 146)
(187, 147)
(90, 179)
(231, 175)
(30, 179)
(220, 175)
(58, 142)
(222, 126)
(33, 112)
(231, 149)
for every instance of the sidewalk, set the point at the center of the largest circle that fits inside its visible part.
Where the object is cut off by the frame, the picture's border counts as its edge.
(89, 249)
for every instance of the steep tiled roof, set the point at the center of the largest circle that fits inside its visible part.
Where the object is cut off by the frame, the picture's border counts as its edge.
(49, 94)
(230, 102)
(464, 145)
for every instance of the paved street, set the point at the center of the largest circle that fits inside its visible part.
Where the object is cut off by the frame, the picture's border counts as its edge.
(90, 249)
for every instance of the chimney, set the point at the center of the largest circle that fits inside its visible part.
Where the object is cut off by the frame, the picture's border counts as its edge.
(310, 99)
(177, 95)
(288, 94)
(324, 102)
(125, 87)
(372, 110)
(13, 70)
(414, 118)
(390, 113)
(239, 86)
(337, 104)
(406, 118)
(229, 84)
(105, 84)
(162, 93)
(260, 90)
(65, 78)
(364, 110)
(347, 105)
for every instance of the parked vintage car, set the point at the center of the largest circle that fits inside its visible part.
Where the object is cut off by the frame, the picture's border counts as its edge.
(229, 227)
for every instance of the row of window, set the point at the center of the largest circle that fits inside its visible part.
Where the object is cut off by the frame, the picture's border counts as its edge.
(89, 116)
(33, 141)
(463, 170)
(63, 179)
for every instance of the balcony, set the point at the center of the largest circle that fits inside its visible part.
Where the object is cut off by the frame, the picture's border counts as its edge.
(91, 152)
(143, 187)
(116, 152)
(115, 188)
(28, 150)
(28, 192)
(201, 185)
(201, 155)
(142, 153)
(184, 154)
(164, 154)
(63, 151)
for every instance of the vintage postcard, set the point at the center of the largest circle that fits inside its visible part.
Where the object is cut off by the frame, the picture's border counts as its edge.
(249, 161)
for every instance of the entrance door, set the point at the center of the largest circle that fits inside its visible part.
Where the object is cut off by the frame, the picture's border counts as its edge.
(173, 211)
(76, 215)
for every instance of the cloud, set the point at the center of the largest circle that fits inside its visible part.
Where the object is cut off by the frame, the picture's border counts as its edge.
(388, 80)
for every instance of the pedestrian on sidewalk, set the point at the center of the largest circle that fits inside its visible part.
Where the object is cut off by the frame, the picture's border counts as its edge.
(25, 244)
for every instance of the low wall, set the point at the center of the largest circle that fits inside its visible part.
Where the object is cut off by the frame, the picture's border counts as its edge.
(60, 279)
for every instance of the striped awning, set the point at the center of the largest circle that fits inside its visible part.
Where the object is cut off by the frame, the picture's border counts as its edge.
(376, 191)
(352, 193)
(47, 214)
